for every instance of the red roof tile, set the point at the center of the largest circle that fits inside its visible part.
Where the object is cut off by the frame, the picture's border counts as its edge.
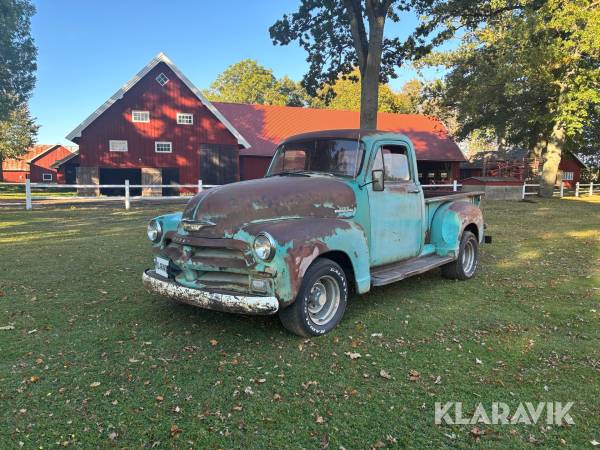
(265, 126)
(21, 163)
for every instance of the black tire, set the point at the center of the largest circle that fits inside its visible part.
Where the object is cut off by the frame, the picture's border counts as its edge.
(465, 266)
(302, 317)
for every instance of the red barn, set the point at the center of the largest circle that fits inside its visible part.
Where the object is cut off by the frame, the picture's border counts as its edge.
(159, 129)
(35, 164)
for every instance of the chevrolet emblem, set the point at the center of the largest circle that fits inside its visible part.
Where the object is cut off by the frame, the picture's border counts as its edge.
(196, 225)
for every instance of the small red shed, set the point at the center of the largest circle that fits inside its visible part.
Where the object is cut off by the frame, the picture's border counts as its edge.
(35, 164)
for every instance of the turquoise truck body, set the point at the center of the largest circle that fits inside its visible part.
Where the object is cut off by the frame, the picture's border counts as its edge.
(210, 246)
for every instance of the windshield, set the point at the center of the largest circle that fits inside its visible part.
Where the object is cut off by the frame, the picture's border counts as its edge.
(340, 157)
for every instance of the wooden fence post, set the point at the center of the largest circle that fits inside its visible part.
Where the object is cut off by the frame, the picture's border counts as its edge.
(523, 194)
(28, 194)
(199, 186)
(577, 189)
(591, 188)
(562, 189)
(127, 199)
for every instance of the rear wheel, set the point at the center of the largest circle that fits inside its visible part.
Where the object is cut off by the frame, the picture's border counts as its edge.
(465, 266)
(321, 300)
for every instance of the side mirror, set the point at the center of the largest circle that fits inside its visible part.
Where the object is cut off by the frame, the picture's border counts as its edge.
(377, 176)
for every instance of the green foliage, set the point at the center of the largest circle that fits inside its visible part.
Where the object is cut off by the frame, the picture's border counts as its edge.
(17, 55)
(17, 133)
(522, 74)
(345, 94)
(249, 82)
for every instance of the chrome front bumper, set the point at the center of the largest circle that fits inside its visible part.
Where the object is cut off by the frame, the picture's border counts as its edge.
(241, 304)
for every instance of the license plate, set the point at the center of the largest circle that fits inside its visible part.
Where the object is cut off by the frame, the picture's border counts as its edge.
(160, 266)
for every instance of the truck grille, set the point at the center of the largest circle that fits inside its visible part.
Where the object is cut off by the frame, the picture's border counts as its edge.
(216, 264)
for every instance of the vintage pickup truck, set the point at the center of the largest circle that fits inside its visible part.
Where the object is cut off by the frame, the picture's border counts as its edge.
(338, 211)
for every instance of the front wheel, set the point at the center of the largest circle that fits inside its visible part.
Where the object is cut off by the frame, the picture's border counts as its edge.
(464, 267)
(321, 300)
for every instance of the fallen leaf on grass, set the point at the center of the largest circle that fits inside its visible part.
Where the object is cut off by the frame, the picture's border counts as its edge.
(276, 397)
(7, 327)
(213, 342)
(175, 430)
(413, 375)
(594, 442)
(95, 384)
(476, 432)
(384, 374)
(353, 355)
(112, 436)
(478, 361)
(159, 398)
(319, 419)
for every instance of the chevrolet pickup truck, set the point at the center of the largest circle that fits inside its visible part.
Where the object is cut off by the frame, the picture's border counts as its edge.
(337, 212)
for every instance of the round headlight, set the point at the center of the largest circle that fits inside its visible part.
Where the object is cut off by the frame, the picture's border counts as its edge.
(154, 231)
(264, 246)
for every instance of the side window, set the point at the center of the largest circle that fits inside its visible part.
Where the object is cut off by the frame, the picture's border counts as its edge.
(394, 161)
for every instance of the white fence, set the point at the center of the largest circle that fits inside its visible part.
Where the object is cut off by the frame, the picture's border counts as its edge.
(455, 185)
(126, 188)
(580, 189)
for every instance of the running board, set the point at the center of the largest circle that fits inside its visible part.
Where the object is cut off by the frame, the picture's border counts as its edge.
(391, 273)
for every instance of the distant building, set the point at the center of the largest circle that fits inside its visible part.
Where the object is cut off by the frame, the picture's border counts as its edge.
(35, 164)
(515, 163)
(159, 129)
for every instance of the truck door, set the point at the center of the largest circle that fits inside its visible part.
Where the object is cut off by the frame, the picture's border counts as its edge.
(396, 212)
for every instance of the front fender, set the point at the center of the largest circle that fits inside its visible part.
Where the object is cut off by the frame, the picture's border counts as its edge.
(449, 222)
(300, 241)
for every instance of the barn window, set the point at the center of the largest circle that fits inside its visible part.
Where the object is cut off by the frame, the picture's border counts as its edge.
(162, 79)
(140, 116)
(46, 177)
(117, 146)
(185, 119)
(163, 147)
(567, 176)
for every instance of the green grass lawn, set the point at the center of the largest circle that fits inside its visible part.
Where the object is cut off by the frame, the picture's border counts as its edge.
(17, 192)
(94, 361)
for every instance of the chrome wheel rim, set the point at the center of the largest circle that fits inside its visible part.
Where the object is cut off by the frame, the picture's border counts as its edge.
(469, 258)
(323, 300)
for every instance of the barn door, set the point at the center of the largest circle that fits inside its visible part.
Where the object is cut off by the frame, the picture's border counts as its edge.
(218, 164)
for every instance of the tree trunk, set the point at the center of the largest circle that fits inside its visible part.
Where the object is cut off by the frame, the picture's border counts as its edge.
(552, 160)
(369, 95)
(369, 85)
(535, 156)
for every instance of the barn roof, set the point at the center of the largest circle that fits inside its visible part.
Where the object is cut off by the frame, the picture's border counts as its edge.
(22, 163)
(161, 57)
(265, 126)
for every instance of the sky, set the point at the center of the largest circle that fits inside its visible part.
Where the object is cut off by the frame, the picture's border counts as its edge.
(88, 49)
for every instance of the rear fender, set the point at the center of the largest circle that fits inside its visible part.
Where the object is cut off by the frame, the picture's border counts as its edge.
(300, 241)
(449, 223)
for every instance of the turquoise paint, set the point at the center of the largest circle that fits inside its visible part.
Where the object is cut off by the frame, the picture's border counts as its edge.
(168, 222)
(385, 227)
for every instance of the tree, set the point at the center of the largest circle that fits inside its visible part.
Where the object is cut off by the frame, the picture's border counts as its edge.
(17, 133)
(339, 35)
(531, 77)
(249, 82)
(17, 55)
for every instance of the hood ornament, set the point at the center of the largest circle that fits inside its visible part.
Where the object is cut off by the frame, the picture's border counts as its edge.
(196, 225)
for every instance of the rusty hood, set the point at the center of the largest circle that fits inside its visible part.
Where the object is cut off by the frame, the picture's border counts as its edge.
(222, 211)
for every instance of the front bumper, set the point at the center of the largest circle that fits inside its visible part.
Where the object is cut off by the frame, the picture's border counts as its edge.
(241, 304)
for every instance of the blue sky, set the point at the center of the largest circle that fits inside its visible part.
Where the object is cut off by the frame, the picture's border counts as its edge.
(88, 49)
